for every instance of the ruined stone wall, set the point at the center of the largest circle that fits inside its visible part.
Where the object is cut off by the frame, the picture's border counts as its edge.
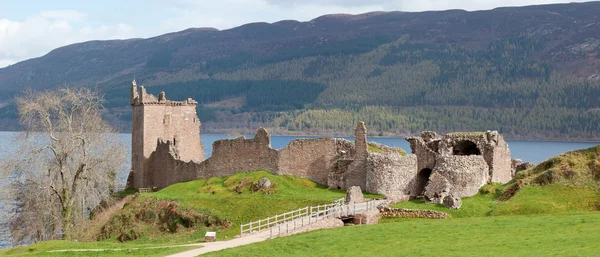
(391, 174)
(231, 156)
(466, 174)
(310, 158)
(426, 148)
(493, 148)
(501, 164)
(356, 175)
(337, 177)
(164, 169)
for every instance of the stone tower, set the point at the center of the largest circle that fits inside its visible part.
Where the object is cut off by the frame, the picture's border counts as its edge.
(155, 119)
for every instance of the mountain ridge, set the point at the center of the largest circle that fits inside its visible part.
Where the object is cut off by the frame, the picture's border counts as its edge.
(522, 58)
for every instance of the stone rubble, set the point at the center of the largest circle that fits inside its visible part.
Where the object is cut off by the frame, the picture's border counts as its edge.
(452, 202)
(437, 188)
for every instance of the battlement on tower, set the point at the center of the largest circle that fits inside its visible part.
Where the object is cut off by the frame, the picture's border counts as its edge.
(141, 97)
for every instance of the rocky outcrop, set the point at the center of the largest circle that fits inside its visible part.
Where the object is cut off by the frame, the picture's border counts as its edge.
(263, 183)
(354, 195)
(524, 166)
(452, 202)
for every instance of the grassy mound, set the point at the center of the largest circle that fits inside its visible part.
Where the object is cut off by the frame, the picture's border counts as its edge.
(217, 204)
(183, 212)
(151, 216)
(580, 168)
(542, 235)
(566, 183)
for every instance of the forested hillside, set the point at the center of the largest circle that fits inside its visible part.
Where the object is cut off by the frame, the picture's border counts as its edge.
(529, 72)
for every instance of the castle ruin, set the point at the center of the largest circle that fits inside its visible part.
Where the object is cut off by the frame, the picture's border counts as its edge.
(166, 149)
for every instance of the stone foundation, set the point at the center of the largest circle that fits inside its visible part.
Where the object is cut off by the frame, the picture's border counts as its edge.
(407, 213)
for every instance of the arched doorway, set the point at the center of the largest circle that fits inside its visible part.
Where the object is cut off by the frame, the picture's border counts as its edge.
(422, 179)
(465, 147)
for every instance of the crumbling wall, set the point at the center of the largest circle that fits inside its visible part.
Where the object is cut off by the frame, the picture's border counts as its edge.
(466, 174)
(337, 177)
(309, 158)
(391, 174)
(426, 147)
(165, 169)
(501, 164)
(356, 175)
(490, 145)
(231, 156)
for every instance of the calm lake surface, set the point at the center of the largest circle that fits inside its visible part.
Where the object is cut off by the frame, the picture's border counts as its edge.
(532, 151)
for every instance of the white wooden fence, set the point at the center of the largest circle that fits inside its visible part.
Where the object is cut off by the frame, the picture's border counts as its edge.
(289, 221)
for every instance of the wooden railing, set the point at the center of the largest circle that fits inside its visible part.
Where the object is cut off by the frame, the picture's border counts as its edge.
(289, 221)
(262, 224)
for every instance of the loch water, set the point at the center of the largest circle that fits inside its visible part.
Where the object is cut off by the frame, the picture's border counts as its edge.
(531, 151)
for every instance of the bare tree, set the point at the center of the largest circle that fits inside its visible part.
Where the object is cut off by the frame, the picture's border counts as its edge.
(66, 161)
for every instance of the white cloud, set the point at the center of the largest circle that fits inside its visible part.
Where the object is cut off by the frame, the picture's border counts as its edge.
(65, 15)
(40, 33)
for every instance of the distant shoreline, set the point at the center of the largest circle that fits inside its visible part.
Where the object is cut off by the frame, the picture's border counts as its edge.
(340, 135)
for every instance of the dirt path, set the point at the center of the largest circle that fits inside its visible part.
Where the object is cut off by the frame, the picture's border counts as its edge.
(220, 245)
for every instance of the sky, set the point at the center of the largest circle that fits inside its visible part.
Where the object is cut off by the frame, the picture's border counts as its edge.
(32, 28)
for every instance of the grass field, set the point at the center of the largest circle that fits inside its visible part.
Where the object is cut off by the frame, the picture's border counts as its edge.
(551, 209)
(522, 235)
(551, 199)
(138, 249)
(216, 196)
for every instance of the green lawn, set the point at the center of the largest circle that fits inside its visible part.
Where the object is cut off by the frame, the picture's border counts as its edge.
(553, 212)
(219, 198)
(551, 199)
(522, 235)
(218, 195)
(214, 196)
(114, 249)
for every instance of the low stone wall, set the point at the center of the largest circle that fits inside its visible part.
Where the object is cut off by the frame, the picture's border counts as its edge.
(408, 213)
